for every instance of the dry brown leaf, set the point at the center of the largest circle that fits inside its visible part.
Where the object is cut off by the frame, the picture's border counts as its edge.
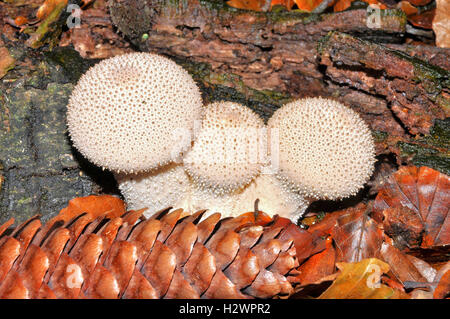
(425, 192)
(403, 268)
(47, 7)
(255, 5)
(443, 288)
(307, 5)
(341, 5)
(6, 61)
(441, 23)
(423, 20)
(285, 3)
(362, 280)
(356, 235)
(318, 266)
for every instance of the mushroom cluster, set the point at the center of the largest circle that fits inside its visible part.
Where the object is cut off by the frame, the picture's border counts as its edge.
(141, 116)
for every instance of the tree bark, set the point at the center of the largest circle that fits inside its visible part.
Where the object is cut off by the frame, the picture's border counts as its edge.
(265, 59)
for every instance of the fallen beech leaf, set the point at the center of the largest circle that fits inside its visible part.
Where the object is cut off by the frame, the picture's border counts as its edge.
(20, 20)
(425, 192)
(356, 235)
(5, 226)
(6, 61)
(404, 226)
(285, 3)
(419, 3)
(47, 7)
(92, 205)
(318, 266)
(402, 267)
(443, 288)
(307, 5)
(423, 20)
(441, 23)
(255, 5)
(327, 224)
(341, 5)
(361, 280)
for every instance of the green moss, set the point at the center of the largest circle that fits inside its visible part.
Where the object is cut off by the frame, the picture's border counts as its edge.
(49, 29)
(432, 150)
(203, 73)
(433, 78)
(379, 136)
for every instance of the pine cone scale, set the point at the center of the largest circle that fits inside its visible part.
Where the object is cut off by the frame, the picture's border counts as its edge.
(170, 255)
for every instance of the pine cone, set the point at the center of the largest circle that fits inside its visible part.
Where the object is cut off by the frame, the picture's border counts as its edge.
(170, 255)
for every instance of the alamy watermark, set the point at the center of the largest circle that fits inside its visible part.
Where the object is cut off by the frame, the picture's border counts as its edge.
(250, 145)
(373, 20)
(74, 19)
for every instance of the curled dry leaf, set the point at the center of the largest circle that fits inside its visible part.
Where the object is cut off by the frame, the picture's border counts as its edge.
(441, 23)
(407, 268)
(47, 7)
(318, 266)
(362, 280)
(443, 288)
(426, 193)
(6, 61)
(356, 235)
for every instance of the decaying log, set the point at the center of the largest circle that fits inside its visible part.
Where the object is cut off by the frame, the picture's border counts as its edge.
(265, 59)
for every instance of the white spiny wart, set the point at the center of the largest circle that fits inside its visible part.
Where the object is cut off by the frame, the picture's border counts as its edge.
(225, 155)
(326, 151)
(124, 111)
(168, 186)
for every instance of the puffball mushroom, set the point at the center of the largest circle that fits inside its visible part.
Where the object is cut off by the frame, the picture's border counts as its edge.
(225, 155)
(325, 151)
(168, 186)
(124, 112)
(273, 198)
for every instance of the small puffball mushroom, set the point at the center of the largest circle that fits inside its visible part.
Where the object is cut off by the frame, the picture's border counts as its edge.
(127, 113)
(225, 155)
(273, 198)
(168, 186)
(325, 151)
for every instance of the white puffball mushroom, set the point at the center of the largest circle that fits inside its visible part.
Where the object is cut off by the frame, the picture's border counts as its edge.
(168, 186)
(326, 151)
(225, 155)
(127, 112)
(273, 198)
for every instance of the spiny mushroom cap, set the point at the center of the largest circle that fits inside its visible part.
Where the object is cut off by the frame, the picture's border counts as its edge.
(273, 197)
(133, 112)
(168, 186)
(325, 151)
(225, 155)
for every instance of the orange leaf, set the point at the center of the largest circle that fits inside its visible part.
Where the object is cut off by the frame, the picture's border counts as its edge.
(20, 20)
(286, 3)
(441, 23)
(356, 235)
(47, 7)
(361, 280)
(94, 206)
(307, 5)
(426, 193)
(341, 5)
(6, 225)
(255, 5)
(318, 266)
(443, 288)
(6, 61)
(407, 8)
